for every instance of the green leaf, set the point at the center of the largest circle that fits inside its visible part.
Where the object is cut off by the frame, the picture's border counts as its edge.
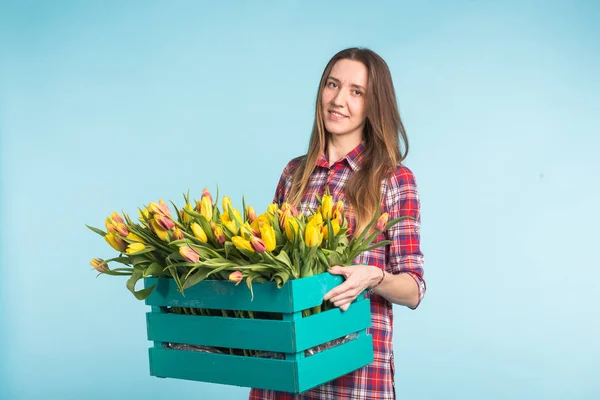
(98, 231)
(284, 258)
(136, 276)
(153, 269)
(198, 276)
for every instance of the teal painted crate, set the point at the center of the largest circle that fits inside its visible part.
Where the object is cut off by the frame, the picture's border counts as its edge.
(292, 335)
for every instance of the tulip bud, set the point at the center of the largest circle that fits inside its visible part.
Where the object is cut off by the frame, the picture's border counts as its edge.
(199, 232)
(326, 206)
(258, 244)
(116, 218)
(236, 276)
(132, 236)
(218, 233)
(144, 214)
(313, 235)
(291, 228)
(134, 248)
(185, 217)
(336, 228)
(241, 243)
(381, 222)
(206, 208)
(110, 227)
(177, 234)
(251, 213)
(164, 222)
(226, 202)
(316, 218)
(288, 207)
(284, 216)
(115, 242)
(161, 208)
(122, 229)
(158, 230)
(206, 193)
(267, 234)
(99, 265)
(338, 217)
(189, 254)
(272, 208)
(339, 206)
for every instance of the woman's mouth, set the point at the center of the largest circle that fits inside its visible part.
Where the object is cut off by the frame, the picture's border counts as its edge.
(336, 116)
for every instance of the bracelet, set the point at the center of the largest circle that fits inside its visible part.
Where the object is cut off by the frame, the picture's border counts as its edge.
(381, 280)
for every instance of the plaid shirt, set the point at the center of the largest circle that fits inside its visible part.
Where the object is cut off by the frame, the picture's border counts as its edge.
(399, 197)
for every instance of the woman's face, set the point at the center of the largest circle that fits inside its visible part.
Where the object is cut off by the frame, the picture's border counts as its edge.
(343, 98)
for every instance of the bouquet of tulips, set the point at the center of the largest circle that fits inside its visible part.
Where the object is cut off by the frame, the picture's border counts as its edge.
(200, 241)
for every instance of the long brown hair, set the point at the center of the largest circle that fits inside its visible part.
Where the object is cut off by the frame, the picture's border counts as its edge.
(382, 134)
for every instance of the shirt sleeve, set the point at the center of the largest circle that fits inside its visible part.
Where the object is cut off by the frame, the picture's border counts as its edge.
(404, 253)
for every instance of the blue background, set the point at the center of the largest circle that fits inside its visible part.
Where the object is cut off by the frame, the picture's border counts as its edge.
(107, 105)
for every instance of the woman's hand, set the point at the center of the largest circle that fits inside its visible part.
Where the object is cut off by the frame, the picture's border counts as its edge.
(357, 279)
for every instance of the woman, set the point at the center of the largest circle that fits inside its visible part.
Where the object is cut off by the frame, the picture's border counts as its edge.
(355, 151)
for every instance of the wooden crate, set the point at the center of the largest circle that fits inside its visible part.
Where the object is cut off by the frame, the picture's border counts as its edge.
(292, 335)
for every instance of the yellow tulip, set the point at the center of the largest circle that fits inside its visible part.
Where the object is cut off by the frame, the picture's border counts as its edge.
(291, 228)
(160, 232)
(206, 208)
(226, 202)
(229, 223)
(144, 214)
(110, 227)
(261, 219)
(206, 193)
(134, 248)
(313, 235)
(185, 217)
(336, 228)
(337, 215)
(272, 208)
(199, 232)
(284, 215)
(134, 237)
(115, 242)
(316, 218)
(326, 206)
(242, 243)
(267, 234)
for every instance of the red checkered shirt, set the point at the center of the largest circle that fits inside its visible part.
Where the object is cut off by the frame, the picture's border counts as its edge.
(403, 255)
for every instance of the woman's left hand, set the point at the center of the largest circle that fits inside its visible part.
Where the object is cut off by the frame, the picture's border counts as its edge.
(357, 279)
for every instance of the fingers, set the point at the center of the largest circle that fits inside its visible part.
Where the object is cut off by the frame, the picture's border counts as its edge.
(338, 270)
(347, 286)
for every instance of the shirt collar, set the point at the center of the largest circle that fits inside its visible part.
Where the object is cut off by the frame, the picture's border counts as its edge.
(354, 158)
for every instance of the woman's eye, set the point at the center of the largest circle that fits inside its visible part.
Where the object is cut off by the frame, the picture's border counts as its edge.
(332, 85)
(357, 92)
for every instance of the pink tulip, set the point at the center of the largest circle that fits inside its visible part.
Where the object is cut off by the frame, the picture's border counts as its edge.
(236, 276)
(189, 254)
(257, 244)
(381, 222)
(164, 222)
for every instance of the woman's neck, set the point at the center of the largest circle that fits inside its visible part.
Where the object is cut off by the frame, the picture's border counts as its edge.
(339, 146)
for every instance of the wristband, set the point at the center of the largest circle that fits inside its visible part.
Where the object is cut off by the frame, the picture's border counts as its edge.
(381, 280)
